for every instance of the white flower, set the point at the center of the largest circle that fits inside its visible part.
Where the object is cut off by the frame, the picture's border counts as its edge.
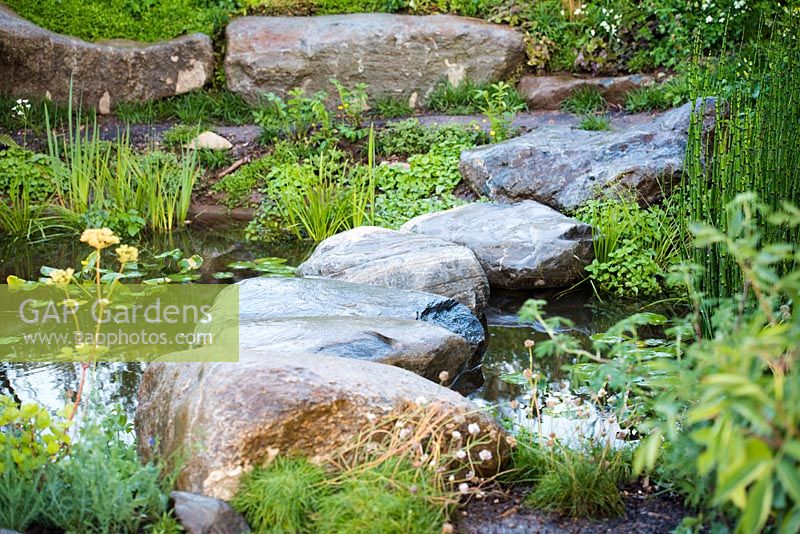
(421, 400)
(463, 487)
(404, 433)
(485, 455)
(451, 478)
(371, 417)
(456, 434)
(474, 429)
(709, 19)
(461, 454)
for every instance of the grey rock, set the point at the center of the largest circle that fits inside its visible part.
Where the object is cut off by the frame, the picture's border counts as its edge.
(403, 260)
(395, 55)
(280, 297)
(226, 418)
(420, 347)
(39, 63)
(549, 92)
(564, 167)
(200, 514)
(520, 246)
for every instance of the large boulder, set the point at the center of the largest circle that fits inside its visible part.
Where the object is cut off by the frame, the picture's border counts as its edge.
(280, 297)
(564, 167)
(373, 255)
(549, 92)
(420, 347)
(39, 63)
(395, 55)
(222, 419)
(520, 246)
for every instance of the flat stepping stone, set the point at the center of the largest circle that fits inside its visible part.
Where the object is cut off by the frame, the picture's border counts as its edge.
(269, 403)
(564, 167)
(403, 260)
(420, 347)
(395, 55)
(520, 246)
(281, 297)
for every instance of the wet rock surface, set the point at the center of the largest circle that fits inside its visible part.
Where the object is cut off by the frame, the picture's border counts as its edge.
(403, 260)
(563, 167)
(420, 347)
(245, 413)
(102, 74)
(396, 55)
(279, 297)
(549, 92)
(520, 246)
(199, 514)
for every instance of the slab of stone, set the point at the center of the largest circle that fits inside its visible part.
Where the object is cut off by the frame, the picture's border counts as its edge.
(520, 246)
(563, 167)
(282, 297)
(418, 346)
(395, 55)
(200, 514)
(39, 63)
(403, 260)
(226, 418)
(549, 92)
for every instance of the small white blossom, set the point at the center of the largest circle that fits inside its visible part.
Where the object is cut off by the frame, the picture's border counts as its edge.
(404, 433)
(474, 429)
(485, 455)
(461, 454)
(456, 434)
(463, 487)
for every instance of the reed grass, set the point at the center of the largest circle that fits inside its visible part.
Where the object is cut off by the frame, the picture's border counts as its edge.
(754, 148)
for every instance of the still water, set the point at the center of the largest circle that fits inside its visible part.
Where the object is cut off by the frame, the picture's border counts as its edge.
(117, 383)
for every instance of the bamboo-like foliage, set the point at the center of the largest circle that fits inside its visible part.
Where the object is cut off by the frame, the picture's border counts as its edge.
(755, 147)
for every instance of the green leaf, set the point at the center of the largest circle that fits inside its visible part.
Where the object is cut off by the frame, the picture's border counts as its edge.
(191, 264)
(183, 277)
(515, 378)
(792, 448)
(647, 453)
(223, 275)
(238, 265)
(759, 504)
(175, 254)
(790, 478)
(758, 464)
(791, 522)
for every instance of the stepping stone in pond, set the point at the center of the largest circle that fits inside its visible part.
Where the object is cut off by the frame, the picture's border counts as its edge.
(270, 403)
(403, 260)
(281, 297)
(520, 246)
(564, 167)
(420, 347)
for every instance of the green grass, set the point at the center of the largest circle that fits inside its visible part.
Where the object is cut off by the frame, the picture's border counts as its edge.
(595, 123)
(282, 496)
(197, 107)
(584, 101)
(140, 20)
(389, 498)
(391, 108)
(672, 93)
(466, 98)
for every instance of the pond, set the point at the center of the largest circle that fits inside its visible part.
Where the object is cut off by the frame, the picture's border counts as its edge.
(219, 245)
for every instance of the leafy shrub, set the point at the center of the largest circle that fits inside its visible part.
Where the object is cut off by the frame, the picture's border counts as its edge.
(410, 136)
(282, 496)
(20, 168)
(595, 123)
(353, 104)
(734, 396)
(633, 246)
(296, 118)
(500, 107)
(584, 101)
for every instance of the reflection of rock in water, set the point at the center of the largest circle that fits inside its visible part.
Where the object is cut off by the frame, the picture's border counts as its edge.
(504, 306)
